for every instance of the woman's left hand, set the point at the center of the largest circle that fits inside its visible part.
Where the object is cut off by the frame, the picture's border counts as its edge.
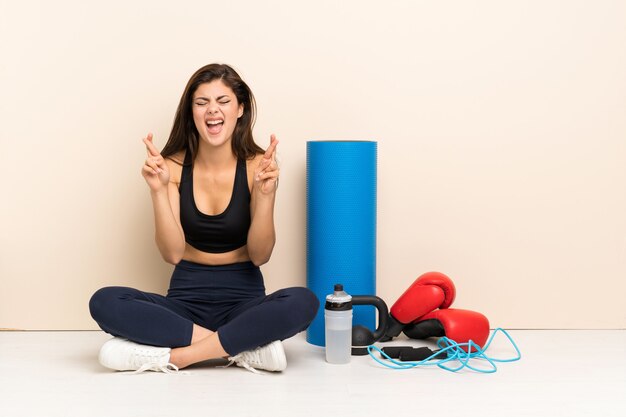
(266, 173)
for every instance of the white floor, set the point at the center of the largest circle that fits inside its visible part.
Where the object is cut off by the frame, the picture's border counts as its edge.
(564, 373)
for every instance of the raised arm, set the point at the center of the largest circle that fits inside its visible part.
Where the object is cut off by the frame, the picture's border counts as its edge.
(169, 235)
(262, 236)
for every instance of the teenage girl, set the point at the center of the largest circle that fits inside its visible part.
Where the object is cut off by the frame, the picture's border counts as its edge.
(213, 191)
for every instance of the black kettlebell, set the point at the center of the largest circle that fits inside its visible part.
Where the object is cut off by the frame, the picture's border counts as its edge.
(361, 335)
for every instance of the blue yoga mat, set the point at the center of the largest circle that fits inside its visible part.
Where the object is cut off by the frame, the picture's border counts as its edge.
(341, 225)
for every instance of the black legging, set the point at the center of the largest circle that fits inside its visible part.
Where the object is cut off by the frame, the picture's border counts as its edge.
(229, 299)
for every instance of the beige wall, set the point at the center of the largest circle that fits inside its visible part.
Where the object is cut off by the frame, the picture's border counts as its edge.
(501, 130)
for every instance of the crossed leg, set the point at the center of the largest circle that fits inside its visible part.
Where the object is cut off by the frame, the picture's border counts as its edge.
(155, 320)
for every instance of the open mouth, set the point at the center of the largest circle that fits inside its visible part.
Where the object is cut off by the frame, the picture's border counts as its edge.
(215, 126)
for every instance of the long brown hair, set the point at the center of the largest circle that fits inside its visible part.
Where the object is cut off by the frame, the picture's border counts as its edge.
(184, 135)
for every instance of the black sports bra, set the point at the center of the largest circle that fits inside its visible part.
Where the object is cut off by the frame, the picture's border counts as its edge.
(218, 233)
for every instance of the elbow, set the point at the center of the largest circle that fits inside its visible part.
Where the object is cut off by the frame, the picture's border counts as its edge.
(260, 257)
(171, 253)
(172, 259)
(259, 260)
(172, 256)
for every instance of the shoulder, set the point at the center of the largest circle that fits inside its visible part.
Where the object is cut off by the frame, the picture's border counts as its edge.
(253, 162)
(175, 165)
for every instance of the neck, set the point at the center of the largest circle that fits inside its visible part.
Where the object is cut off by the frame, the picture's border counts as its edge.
(213, 157)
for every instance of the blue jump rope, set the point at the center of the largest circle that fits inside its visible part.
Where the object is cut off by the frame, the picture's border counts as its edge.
(455, 353)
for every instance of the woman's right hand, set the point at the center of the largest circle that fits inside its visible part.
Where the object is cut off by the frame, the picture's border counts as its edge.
(155, 170)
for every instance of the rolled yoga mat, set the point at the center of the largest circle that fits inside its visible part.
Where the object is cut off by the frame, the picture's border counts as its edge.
(341, 225)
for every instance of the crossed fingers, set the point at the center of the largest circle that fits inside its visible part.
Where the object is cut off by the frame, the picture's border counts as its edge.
(154, 161)
(268, 169)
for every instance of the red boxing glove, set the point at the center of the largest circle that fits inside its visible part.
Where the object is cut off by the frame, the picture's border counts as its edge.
(456, 324)
(430, 291)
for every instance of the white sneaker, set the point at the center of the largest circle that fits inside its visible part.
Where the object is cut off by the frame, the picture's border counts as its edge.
(269, 357)
(124, 355)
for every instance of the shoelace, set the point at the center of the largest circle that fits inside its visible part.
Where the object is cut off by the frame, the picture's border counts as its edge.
(239, 360)
(168, 368)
